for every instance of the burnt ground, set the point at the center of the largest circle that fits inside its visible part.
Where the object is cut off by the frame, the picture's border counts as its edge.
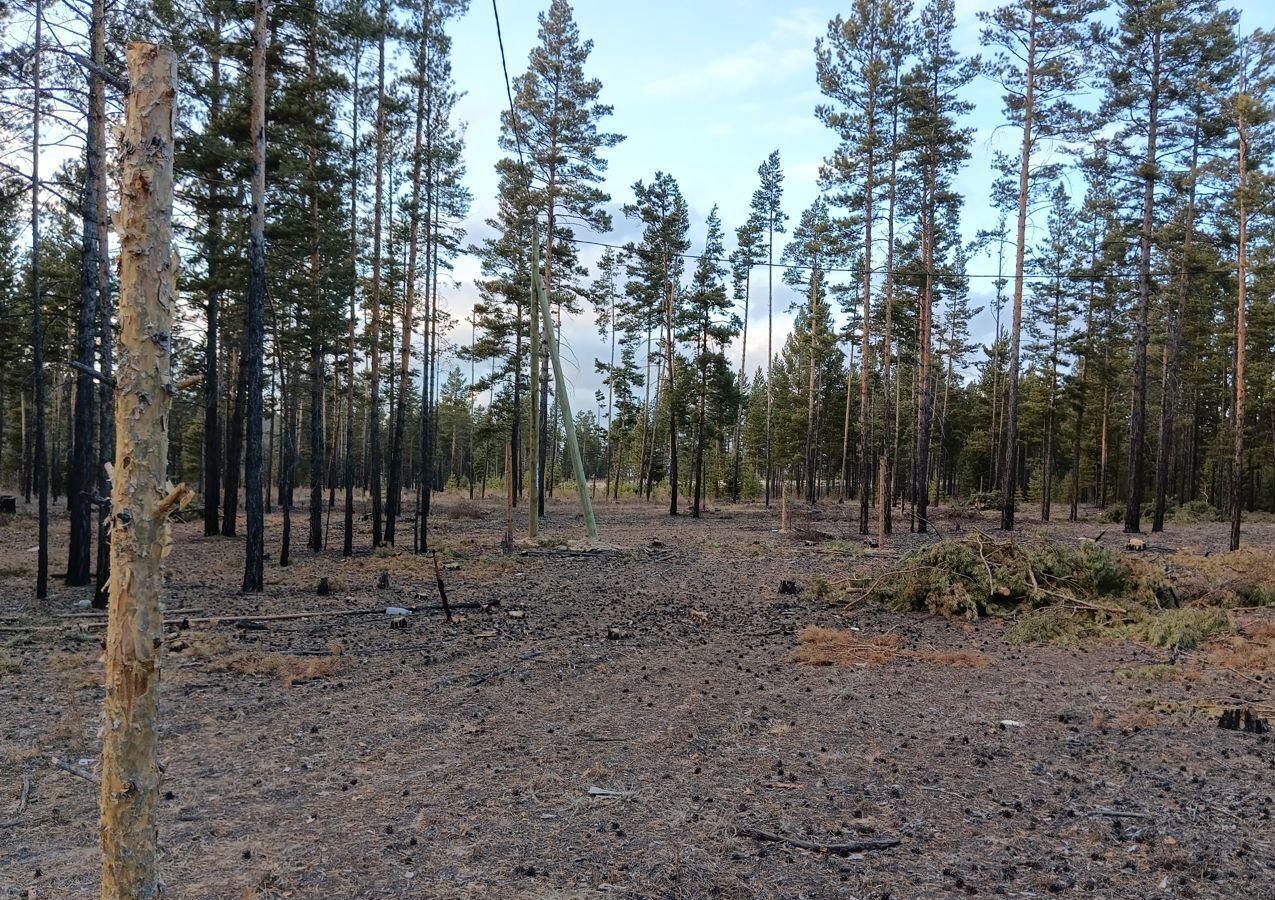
(344, 757)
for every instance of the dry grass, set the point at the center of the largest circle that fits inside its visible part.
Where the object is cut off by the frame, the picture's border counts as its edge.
(834, 647)
(1243, 578)
(289, 668)
(1251, 649)
(464, 508)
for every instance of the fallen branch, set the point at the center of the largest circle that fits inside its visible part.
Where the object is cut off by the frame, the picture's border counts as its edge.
(77, 771)
(821, 846)
(1120, 814)
(22, 804)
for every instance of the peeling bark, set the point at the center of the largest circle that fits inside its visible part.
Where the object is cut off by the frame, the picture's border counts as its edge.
(139, 501)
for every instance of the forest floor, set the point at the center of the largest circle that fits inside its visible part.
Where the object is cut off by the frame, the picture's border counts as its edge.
(621, 723)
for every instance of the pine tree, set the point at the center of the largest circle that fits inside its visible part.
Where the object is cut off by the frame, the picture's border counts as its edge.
(937, 146)
(767, 211)
(1042, 61)
(853, 69)
(556, 122)
(814, 248)
(655, 275)
(254, 329)
(707, 324)
(747, 254)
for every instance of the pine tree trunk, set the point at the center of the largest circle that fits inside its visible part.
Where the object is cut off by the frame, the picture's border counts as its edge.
(887, 332)
(347, 547)
(672, 406)
(139, 532)
(315, 371)
(234, 445)
(41, 463)
(866, 475)
(1171, 379)
(374, 326)
(743, 382)
(811, 447)
(212, 259)
(254, 331)
(1138, 414)
(80, 484)
(1241, 329)
(405, 349)
(1015, 338)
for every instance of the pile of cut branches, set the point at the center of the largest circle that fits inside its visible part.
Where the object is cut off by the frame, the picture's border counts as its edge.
(980, 576)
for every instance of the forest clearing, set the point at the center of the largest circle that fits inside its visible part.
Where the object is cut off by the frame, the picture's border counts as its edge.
(783, 451)
(613, 724)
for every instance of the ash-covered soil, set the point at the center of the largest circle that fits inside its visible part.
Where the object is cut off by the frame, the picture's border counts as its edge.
(621, 721)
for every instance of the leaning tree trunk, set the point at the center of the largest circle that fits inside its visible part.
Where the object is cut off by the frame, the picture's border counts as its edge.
(140, 505)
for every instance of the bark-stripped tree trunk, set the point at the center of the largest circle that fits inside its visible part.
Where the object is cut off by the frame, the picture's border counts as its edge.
(140, 501)
(254, 330)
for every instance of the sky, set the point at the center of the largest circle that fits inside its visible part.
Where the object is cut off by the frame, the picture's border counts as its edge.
(704, 90)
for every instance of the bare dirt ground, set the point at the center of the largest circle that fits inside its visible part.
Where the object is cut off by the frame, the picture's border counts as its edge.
(620, 721)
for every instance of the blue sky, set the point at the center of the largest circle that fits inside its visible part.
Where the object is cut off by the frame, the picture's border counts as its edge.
(703, 90)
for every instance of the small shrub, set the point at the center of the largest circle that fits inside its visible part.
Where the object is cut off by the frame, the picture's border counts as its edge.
(819, 588)
(1051, 627)
(464, 508)
(1195, 511)
(986, 500)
